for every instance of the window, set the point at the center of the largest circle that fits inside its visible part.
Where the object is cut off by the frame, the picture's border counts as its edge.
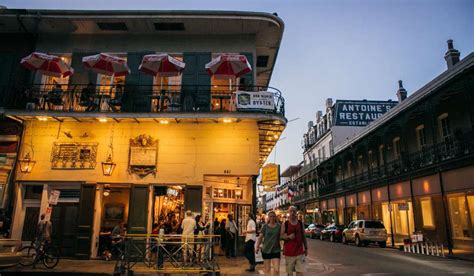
(381, 155)
(427, 212)
(420, 136)
(319, 154)
(349, 168)
(396, 147)
(360, 165)
(372, 163)
(331, 148)
(33, 191)
(324, 152)
(339, 173)
(444, 127)
(227, 193)
(459, 217)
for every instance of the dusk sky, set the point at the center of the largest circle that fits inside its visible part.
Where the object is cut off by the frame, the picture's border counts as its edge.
(338, 49)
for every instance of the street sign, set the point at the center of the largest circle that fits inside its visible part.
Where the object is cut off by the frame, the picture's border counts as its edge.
(47, 216)
(53, 197)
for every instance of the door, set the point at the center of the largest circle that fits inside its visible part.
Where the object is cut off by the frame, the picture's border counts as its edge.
(30, 222)
(85, 221)
(64, 222)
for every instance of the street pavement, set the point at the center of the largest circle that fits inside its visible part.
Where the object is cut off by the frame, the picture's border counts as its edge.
(324, 258)
(340, 259)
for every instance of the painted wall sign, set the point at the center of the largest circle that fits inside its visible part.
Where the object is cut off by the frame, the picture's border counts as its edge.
(360, 113)
(255, 100)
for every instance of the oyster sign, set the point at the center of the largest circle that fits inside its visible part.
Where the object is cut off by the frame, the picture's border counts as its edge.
(255, 100)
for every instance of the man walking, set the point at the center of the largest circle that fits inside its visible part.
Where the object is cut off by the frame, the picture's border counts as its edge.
(250, 237)
(295, 247)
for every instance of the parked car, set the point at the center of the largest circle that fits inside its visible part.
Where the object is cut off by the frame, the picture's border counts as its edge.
(332, 232)
(9, 252)
(313, 230)
(363, 232)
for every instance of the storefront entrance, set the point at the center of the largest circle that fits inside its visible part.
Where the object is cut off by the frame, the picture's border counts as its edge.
(64, 222)
(168, 208)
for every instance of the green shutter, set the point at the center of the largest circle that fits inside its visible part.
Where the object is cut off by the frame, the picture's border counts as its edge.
(249, 81)
(138, 86)
(138, 212)
(85, 221)
(196, 82)
(81, 76)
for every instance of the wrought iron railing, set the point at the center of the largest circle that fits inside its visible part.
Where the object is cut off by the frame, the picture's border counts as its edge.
(433, 155)
(132, 98)
(167, 254)
(304, 197)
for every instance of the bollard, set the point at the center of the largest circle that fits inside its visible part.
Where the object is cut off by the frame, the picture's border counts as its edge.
(417, 248)
(422, 248)
(442, 250)
(405, 248)
(437, 250)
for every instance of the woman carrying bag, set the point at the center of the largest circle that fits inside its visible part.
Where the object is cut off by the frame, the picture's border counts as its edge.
(270, 234)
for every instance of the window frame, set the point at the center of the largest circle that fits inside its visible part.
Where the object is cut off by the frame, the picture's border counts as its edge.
(425, 226)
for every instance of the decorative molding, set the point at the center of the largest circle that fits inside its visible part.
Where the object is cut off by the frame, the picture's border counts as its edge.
(74, 156)
(143, 155)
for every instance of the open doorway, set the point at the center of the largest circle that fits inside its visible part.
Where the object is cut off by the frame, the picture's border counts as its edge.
(114, 215)
(168, 208)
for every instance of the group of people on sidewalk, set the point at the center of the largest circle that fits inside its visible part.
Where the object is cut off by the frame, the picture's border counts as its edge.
(291, 232)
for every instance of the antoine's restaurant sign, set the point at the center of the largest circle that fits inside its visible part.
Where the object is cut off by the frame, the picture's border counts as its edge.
(360, 113)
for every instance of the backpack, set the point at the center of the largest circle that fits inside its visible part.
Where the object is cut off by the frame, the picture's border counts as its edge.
(301, 224)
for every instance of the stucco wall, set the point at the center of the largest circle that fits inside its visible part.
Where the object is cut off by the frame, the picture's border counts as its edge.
(186, 151)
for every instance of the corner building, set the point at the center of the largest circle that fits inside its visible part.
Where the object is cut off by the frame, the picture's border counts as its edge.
(413, 168)
(177, 143)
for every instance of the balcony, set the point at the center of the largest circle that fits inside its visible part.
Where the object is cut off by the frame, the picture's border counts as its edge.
(81, 98)
(304, 197)
(429, 158)
(311, 166)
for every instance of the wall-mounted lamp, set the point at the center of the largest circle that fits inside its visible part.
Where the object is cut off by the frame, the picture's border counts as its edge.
(26, 164)
(106, 191)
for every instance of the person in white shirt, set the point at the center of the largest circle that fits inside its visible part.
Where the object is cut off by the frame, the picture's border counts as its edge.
(188, 225)
(250, 238)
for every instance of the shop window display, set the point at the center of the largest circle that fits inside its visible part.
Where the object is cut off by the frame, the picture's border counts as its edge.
(458, 213)
(427, 212)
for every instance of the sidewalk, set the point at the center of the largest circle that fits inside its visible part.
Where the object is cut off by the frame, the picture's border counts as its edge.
(232, 266)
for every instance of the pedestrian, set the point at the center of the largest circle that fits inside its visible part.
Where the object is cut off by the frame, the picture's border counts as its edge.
(231, 233)
(44, 230)
(250, 238)
(295, 247)
(222, 233)
(270, 234)
(188, 225)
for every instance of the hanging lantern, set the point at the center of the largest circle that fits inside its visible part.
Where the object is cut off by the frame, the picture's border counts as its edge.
(238, 189)
(108, 166)
(26, 164)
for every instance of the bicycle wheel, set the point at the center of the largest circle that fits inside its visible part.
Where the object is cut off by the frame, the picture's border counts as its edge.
(51, 257)
(28, 255)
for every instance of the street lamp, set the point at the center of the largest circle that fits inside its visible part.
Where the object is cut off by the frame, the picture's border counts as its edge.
(108, 166)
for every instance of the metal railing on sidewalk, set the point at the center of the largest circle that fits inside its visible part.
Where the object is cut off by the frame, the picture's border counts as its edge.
(170, 253)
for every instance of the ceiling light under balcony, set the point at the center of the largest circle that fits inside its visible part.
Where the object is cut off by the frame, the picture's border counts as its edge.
(164, 122)
(102, 120)
(227, 120)
(42, 118)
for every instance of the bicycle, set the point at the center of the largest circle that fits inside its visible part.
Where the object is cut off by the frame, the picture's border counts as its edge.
(39, 252)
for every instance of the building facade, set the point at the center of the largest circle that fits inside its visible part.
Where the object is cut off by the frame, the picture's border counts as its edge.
(413, 168)
(169, 145)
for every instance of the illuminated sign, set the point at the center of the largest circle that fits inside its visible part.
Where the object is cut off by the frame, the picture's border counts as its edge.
(360, 113)
(271, 174)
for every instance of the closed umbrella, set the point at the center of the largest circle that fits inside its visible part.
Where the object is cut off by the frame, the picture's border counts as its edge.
(228, 66)
(47, 64)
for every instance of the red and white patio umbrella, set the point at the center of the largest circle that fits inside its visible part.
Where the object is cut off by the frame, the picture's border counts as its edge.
(47, 64)
(106, 64)
(162, 65)
(228, 66)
